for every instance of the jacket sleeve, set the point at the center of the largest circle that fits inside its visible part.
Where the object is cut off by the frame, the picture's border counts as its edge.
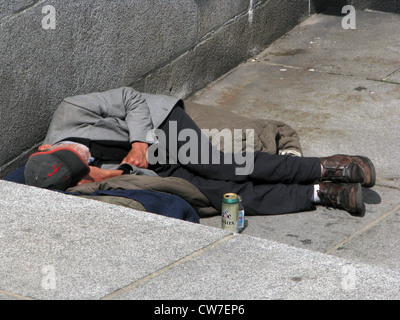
(117, 115)
(137, 116)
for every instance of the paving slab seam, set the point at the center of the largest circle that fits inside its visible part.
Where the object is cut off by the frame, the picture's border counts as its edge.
(308, 69)
(384, 80)
(362, 230)
(392, 74)
(287, 66)
(383, 185)
(159, 272)
(14, 295)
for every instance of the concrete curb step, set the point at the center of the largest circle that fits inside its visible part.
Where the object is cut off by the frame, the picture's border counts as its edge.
(56, 246)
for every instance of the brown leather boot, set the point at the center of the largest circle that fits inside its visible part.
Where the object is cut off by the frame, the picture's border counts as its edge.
(342, 196)
(348, 169)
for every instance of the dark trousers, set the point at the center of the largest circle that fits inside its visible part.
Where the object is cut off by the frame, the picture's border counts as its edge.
(277, 184)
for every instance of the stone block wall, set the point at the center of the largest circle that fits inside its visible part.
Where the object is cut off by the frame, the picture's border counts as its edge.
(51, 49)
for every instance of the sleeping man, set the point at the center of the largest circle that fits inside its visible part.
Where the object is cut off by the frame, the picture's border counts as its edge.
(98, 136)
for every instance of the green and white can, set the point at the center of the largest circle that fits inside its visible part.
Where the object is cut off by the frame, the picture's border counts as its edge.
(230, 212)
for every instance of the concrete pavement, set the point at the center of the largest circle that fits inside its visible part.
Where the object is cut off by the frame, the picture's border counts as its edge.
(340, 89)
(337, 88)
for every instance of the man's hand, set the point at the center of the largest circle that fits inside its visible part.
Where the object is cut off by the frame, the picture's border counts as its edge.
(97, 175)
(138, 155)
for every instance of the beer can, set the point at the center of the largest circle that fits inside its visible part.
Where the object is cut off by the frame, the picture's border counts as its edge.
(230, 212)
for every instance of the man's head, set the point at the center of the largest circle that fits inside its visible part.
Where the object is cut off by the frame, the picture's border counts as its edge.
(58, 167)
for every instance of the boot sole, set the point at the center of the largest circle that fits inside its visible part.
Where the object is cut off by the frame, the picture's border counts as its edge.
(357, 204)
(372, 171)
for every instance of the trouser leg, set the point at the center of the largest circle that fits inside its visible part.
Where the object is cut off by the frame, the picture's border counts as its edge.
(258, 199)
(267, 168)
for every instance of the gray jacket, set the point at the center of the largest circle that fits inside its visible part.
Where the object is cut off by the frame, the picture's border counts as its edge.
(121, 114)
